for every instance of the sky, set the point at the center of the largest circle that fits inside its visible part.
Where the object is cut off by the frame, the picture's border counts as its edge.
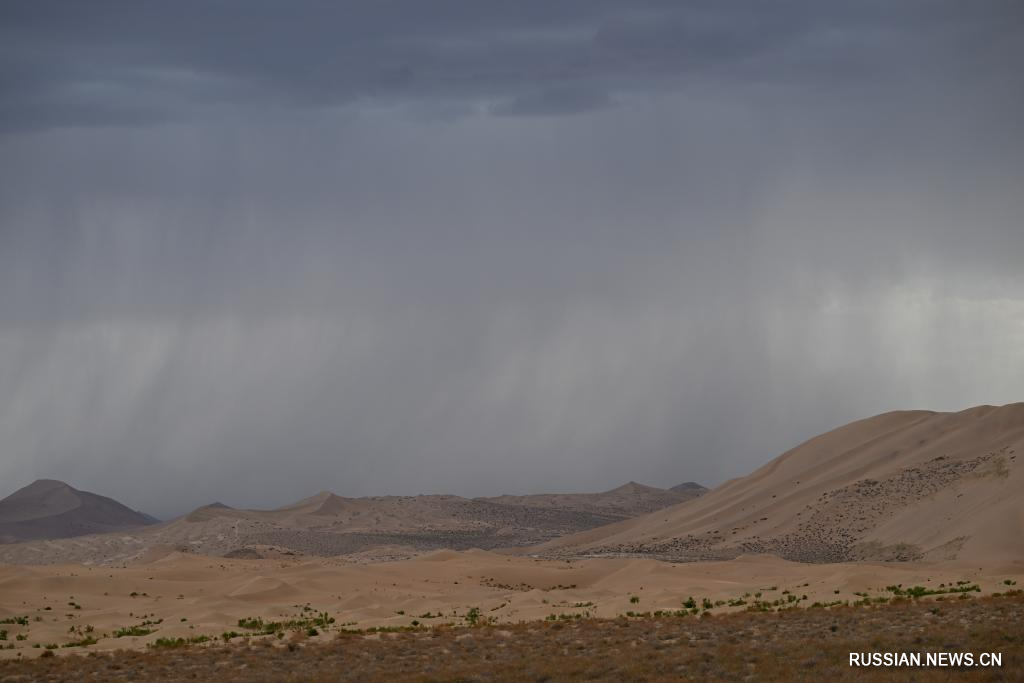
(254, 250)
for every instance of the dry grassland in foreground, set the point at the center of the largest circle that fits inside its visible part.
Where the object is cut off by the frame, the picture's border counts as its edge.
(792, 644)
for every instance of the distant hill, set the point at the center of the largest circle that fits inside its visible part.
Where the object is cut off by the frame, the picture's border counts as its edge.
(901, 486)
(690, 487)
(329, 525)
(49, 509)
(629, 500)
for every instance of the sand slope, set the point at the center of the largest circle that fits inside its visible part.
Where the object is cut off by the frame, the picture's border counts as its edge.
(52, 509)
(899, 486)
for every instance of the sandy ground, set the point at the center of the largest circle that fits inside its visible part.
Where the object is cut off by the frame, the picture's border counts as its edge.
(187, 596)
(792, 645)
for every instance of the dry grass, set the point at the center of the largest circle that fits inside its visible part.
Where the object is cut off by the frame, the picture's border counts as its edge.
(787, 645)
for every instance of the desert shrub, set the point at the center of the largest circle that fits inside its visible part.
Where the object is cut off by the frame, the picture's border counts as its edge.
(173, 643)
(84, 642)
(321, 620)
(961, 587)
(132, 631)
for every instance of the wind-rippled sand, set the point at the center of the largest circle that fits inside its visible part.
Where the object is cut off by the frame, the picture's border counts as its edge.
(187, 596)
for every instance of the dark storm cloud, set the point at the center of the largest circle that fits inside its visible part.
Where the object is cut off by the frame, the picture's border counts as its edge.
(253, 250)
(115, 63)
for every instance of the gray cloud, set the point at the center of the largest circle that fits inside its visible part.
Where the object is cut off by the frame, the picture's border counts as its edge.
(116, 63)
(559, 101)
(484, 248)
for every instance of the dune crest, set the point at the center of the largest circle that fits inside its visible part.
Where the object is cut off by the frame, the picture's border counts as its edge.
(906, 485)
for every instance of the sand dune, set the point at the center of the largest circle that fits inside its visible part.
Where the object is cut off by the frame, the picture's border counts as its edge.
(184, 595)
(899, 486)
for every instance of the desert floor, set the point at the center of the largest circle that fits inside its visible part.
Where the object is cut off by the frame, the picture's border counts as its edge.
(51, 608)
(795, 644)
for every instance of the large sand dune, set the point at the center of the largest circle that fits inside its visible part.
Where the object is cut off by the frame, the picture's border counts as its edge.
(905, 485)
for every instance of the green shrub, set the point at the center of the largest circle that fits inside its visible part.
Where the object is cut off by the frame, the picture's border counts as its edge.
(174, 643)
(132, 631)
(84, 642)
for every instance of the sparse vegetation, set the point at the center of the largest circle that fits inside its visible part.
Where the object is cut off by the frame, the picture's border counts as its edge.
(175, 643)
(961, 587)
(261, 627)
(734, 646)
(138, 630)
(83, 642)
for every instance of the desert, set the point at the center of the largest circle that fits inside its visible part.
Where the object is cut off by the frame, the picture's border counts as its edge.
(459, 341)
(894, 512)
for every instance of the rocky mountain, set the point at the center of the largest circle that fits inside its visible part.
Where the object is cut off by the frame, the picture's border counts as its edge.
(628, 500)
(49, 509)
(392, 526)
(690, 487)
